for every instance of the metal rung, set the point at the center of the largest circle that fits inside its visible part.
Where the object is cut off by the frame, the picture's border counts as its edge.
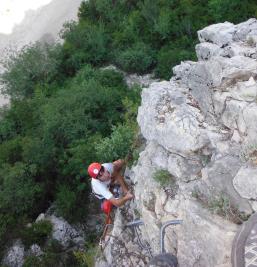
(134, 223)
(173, 222)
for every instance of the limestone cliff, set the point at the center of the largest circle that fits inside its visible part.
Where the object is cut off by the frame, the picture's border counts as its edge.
(201, 127)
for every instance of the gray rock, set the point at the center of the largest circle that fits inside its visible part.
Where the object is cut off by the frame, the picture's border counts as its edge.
(35, 250)
(181, 71)
(14, 256)
(245, 29)
(40, 217)
(205, 51)
(245, 182)
(247, 123)
(220, 176)
(232, 111)
(178, 127)
(201, 127)
(204, 239)
(220, 34)
(201, 79)
(141, 80)
(65, 233)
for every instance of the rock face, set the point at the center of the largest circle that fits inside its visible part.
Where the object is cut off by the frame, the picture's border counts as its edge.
(201, 127)
(63, 232)
(15, 255)
(67, 236)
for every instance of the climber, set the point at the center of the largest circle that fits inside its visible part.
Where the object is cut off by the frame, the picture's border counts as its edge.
(105, 177)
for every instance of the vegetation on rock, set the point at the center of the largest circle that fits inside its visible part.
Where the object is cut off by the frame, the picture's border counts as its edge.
(66, 111)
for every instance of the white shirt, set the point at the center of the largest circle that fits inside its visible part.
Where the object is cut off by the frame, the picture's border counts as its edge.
(102, 188)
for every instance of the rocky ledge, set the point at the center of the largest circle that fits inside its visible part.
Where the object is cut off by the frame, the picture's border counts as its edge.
(200, 128)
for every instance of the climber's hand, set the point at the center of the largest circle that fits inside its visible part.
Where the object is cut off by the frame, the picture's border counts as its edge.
(129, 195)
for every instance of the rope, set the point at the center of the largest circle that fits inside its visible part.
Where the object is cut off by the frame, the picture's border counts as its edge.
(108, 223)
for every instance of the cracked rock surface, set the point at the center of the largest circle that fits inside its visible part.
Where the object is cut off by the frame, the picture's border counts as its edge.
(201, 127)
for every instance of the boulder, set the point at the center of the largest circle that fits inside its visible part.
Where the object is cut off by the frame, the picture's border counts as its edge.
(220, 34)
(245, 29)
(220, 175)
(165, 117)
(203, 239)
(205, 50)
(247, 123)
(14, 256)
(35, 250)
(245, 90)
(65, 233)
(245, 182)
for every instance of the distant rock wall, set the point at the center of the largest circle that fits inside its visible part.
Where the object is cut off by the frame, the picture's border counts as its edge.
(43, 24)
(201, 126)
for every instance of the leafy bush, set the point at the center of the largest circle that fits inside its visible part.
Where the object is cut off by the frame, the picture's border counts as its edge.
(11, 151)
(117, 145)
(35, 64)
(84, 110)
(87, 258)
(18, 120)
(163, 177)
(6, 223)
(76, 157)
(32, 261)
(150, 11)
(37, 233)
(169, 57)
(138, 58)
(17, 186)
(110, 78)
(84, 43)
(65, 201)
(163, 24)
(234, 11)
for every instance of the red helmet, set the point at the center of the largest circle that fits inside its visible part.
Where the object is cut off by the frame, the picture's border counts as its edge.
(93, 169)
(106, 206)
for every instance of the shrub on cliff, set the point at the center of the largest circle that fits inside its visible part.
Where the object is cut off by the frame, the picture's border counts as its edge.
(37, 233)
(167, 58)
(139, 58)
(34, 65)
(84, 43)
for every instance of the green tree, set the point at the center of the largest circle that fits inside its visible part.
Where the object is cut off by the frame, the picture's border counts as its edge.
(234, 11)
(11, 151)
(84, 43)
(139, 58)
(19, 193)
(35, 64)
(169, 57)
(117, 145)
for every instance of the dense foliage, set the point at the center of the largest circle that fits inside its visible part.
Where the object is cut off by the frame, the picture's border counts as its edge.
(66, 111)
(148, 35)
(49, 136)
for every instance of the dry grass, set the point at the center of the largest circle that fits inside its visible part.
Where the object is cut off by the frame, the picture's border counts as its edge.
(221, 205)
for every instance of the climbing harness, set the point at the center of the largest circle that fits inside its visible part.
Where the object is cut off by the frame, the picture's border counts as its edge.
(106, 207)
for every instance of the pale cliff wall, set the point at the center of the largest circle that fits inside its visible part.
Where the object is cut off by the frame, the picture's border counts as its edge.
(201, 126)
